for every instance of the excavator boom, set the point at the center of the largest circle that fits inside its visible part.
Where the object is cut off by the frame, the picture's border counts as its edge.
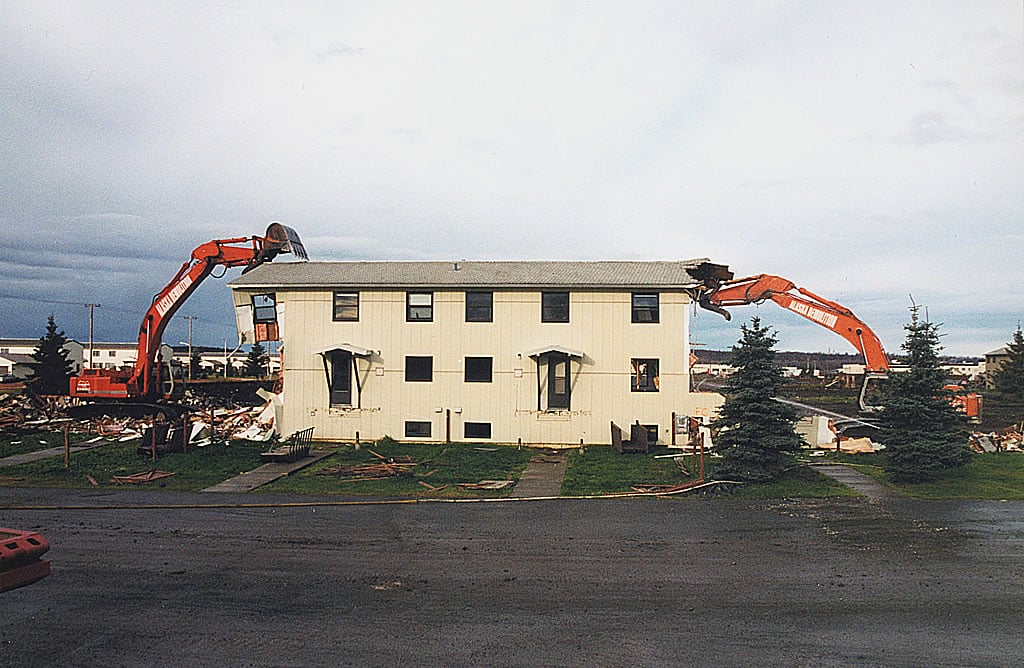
(829, 314)
(145, 382)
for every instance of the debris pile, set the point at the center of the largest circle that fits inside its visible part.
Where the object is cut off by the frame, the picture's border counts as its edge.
(388, 467)
(1005, 440)
(26, 414)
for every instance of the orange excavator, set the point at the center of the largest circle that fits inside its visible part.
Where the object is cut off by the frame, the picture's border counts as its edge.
(725, 291)
(150, 382)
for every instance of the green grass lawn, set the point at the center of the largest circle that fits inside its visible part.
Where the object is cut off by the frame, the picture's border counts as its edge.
(991, 475)
(43, 440)
(603, 470)
(441, 467)
(199, 468)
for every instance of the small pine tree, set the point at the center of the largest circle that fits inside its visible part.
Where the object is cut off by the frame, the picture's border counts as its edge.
(1009, 379)
(195, 364)
(922, 431)
(256, 361)
(756, 432)
(51, 368)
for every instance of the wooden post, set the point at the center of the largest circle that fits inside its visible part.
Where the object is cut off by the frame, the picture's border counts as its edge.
(67, 445)
(357, 440)
(448, 425)
(184, 428)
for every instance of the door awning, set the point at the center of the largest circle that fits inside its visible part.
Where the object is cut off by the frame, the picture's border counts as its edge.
(540, 352)
(348, 348)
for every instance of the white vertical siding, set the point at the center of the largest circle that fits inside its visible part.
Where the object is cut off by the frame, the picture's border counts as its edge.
(600, 327)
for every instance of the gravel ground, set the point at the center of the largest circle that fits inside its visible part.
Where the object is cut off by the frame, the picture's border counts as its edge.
(532, 583)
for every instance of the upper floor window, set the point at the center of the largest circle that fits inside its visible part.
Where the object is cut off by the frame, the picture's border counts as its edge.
(419, 306)
(554, 307)
(645, 307)
(346, 306)
(479, 306)
(264, 308)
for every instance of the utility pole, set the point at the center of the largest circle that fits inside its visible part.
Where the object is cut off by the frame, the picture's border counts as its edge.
(91, 308)
(190, 318)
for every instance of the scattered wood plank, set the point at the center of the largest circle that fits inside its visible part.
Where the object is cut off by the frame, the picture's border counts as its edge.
(141, 478)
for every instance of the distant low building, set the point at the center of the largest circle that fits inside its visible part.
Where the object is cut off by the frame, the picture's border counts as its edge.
(108, 355)
(16, 354)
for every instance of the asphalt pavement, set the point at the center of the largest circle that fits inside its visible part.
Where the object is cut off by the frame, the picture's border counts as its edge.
(162, 578)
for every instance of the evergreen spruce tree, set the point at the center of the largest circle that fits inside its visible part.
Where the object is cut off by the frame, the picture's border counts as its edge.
(756, 432)
(1009, 379)
(51, 368)
(922, 432)
(195, 364)
(256, 361)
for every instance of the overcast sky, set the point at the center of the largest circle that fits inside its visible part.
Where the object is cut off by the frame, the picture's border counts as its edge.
(868, 151)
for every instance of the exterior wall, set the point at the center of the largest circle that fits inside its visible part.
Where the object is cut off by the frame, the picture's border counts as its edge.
(600, 327)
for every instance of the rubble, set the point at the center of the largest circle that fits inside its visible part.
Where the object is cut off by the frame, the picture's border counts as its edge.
(1008, 439)
(22, 414)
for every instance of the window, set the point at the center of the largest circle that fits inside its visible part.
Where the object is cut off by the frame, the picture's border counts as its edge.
(554, 307)
(416, 429)
(479, 307)
(478, 369)
(95, 353)
(419, 306)
(645, 307)
(340, 377)
(346, 306)
(645, 376)
(264, 308)
(419, 369)
(477, 429)
(264, 317)
(558, 381)
(111, 353)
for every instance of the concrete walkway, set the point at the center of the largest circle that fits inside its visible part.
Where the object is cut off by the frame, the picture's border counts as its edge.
(267, 473)
(543, 475)
(858, 482)
(25, 457)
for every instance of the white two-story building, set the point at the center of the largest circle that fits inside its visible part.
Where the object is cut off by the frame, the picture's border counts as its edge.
(531, 352)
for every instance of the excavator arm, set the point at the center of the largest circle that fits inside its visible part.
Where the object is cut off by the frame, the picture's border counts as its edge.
(144, 382)
(803, 302)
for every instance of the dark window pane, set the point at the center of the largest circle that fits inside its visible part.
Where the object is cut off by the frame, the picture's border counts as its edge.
(419, 369)
(478, 429)
(478, 369)
(415, 429)
(554, 307)
(479, 307)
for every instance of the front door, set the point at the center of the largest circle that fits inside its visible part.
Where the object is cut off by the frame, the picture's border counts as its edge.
(558, 381)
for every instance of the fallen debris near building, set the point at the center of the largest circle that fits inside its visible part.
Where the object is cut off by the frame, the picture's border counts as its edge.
(388, 468)
(1008, 439)
(141, 478)
(487, 484)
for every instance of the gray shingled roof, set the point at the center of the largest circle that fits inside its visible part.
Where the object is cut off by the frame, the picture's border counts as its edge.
(463, 274)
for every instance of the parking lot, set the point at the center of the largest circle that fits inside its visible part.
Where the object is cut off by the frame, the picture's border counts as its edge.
(150, 578)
